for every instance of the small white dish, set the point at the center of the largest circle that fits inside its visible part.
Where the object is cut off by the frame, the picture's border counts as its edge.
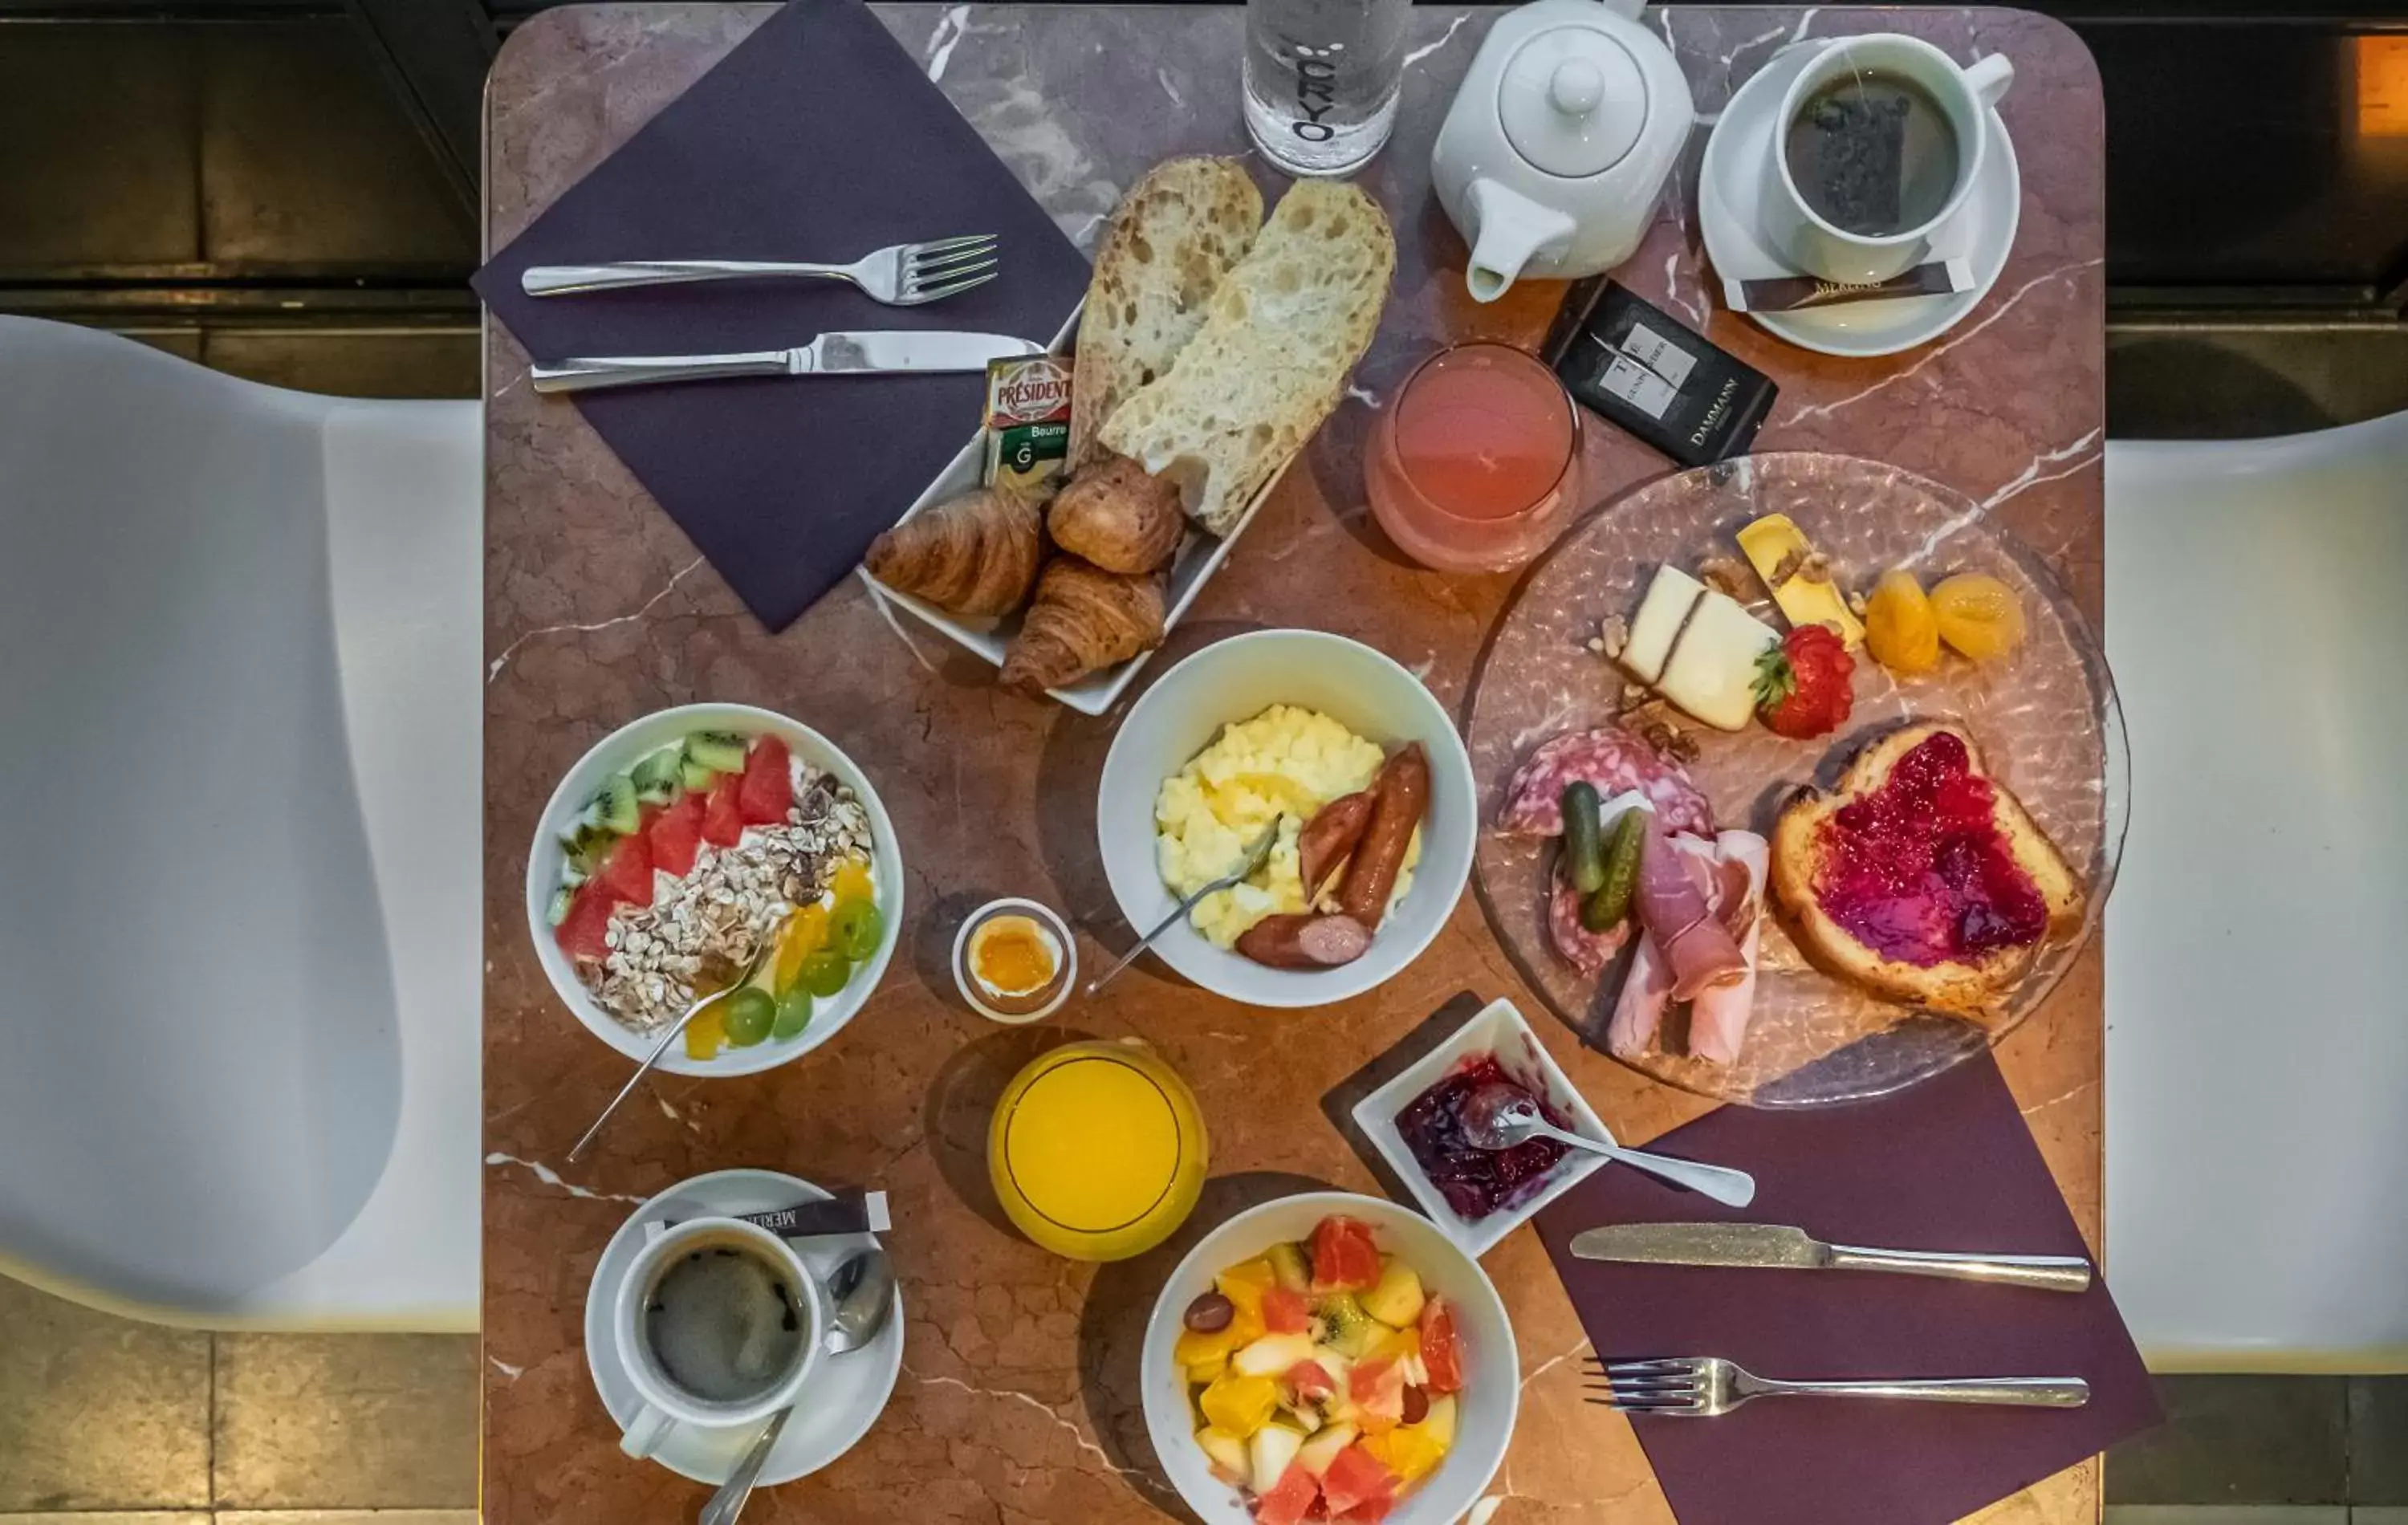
(620, 751)
(1498, 1029)
(989, 637)
(1067, 946)
(1238, 679)
(1492, 1390)
(842, 1397)
(1730, 216)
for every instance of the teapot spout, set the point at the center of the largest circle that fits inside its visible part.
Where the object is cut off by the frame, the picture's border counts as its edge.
(1513, 228)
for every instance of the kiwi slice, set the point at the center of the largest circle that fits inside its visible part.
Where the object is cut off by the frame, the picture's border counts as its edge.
(656, 794)
(616, 807)
(558, 910)
(695, 777)
(657, 772)
(722, 752)
(586, 848)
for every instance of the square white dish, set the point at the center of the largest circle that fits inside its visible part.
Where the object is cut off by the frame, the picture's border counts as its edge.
(1498, 1029)
(1199, 557)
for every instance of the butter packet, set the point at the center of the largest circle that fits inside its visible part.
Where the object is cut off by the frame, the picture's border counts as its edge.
(1027, 421)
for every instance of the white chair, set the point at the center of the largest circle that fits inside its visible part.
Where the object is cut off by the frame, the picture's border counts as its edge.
(2258, 942)
(241, 915)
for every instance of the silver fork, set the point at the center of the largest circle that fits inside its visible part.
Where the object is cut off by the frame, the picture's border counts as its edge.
(899, 275)
(1709, 1387)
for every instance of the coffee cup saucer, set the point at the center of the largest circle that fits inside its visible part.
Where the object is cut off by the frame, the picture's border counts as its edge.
(1730, 195)
(845, 1396)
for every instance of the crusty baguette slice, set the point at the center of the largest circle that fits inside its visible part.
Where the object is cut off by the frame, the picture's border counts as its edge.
(1170, 240)
(1979, 989)
(1283, 331)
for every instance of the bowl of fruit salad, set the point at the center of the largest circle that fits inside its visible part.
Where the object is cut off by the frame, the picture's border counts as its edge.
(687, 842)
(1329, 1357)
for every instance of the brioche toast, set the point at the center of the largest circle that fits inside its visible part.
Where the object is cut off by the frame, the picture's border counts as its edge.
(1916, 896)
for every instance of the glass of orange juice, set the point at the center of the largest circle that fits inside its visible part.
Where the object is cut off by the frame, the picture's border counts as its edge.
(1476, 463)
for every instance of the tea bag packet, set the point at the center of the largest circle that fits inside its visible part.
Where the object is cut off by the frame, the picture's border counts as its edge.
(1654, 377)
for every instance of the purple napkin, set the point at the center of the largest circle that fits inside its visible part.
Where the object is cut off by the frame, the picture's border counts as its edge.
(1947, 1166)
(817, 138)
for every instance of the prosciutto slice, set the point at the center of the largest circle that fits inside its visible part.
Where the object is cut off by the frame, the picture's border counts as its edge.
(1727, 877)
(1677, 912)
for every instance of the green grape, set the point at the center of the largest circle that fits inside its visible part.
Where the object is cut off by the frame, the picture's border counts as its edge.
(856, 929)
(824, 973)
(748, 1015)
(793, 1013)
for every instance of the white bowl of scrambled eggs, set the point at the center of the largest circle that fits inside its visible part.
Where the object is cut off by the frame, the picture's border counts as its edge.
(1268, 725)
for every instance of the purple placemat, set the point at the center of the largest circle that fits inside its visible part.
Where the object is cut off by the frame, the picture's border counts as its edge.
(1947, 1166)
(817, 138)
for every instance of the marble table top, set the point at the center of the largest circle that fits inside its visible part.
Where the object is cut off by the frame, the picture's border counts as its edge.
(1018, 1400)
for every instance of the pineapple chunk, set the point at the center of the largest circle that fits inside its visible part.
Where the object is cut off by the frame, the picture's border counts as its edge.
(1238, 1404)
(1273, 1449)
(1396, 1300)
(1246, 1283)
(1272, 1355)
(1439, 1423)
(1322, 1449)
(1226, 1452)
(1195, 1349)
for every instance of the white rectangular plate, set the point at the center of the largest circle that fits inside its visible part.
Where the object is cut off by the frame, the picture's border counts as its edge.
(1199, 557)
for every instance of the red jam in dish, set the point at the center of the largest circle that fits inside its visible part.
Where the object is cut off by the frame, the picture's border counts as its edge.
(1475, 1182)
(1919, 870)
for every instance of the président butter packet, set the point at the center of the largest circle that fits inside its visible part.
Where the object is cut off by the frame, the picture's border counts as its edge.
(1027, 421)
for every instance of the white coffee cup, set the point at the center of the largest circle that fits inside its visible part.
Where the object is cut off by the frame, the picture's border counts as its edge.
(1821, 248)
(667, 1404)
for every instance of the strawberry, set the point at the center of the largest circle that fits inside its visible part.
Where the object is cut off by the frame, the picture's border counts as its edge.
(1802, 684)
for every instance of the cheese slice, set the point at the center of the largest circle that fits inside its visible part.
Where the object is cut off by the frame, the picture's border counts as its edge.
(1697, 648)
(1774, 544)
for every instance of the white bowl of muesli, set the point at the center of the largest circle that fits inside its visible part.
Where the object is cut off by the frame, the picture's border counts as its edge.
(684, 843)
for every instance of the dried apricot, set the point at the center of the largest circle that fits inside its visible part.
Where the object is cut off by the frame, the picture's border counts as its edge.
(1978, 615)
(1900, 629)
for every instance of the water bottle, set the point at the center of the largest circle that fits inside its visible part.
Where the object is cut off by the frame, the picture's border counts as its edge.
(1322, 79)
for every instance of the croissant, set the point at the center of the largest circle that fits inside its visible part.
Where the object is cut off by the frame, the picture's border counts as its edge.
(1084, 619)
(1118, 516)
(973, 554)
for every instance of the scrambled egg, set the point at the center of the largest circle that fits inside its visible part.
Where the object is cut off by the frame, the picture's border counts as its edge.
(1286, 762)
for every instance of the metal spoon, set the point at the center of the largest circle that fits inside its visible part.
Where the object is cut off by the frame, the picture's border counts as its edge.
(863, 1290)
(1501, 1116)
(1256, 852)
(677, 1028)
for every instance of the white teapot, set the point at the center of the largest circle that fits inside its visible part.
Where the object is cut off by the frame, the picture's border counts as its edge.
(1553, 154)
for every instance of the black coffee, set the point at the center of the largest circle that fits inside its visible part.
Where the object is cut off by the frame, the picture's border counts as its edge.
(723, 1323)
(1874, 153)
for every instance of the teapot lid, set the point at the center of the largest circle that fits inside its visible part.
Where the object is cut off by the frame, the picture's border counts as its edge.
(1573, 101)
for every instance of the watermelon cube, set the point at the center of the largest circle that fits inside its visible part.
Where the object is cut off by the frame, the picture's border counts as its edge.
(1354, 1478)
(628, 873)
(768, 788)
(1289, 1499)
(676, 836)
(723, 819)
(580, 934)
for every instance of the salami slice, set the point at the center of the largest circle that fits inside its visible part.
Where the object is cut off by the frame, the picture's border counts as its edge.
(1614, 760)
(1586, 951)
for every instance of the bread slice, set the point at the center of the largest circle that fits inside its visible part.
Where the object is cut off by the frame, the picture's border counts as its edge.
(1283, 332)
(1170, 240)
(1977, 989)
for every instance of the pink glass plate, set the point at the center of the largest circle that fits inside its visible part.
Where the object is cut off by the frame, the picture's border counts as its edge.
(2045, 717)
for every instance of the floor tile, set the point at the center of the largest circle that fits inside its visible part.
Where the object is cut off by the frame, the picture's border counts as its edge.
(352, 1421)
(112, 1517)
(333, 1516)
(308, 157)
(2239, 1440)
(405, 362)
(98, 1412)
(2360, 1514)
(2378, 1440)
(2228, 1514)
(102, 128)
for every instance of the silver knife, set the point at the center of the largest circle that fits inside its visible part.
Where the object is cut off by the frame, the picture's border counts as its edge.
(1768, 1246)
(830, 354)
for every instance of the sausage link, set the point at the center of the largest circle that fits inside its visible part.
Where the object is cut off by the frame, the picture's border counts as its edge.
(1333, 833)
(1297, 940)
(1402, 795)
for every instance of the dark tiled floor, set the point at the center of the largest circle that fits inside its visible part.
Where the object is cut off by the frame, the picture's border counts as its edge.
(2270, 1440)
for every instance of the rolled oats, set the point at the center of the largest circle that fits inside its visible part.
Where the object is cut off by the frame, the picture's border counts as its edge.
(720, 912)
